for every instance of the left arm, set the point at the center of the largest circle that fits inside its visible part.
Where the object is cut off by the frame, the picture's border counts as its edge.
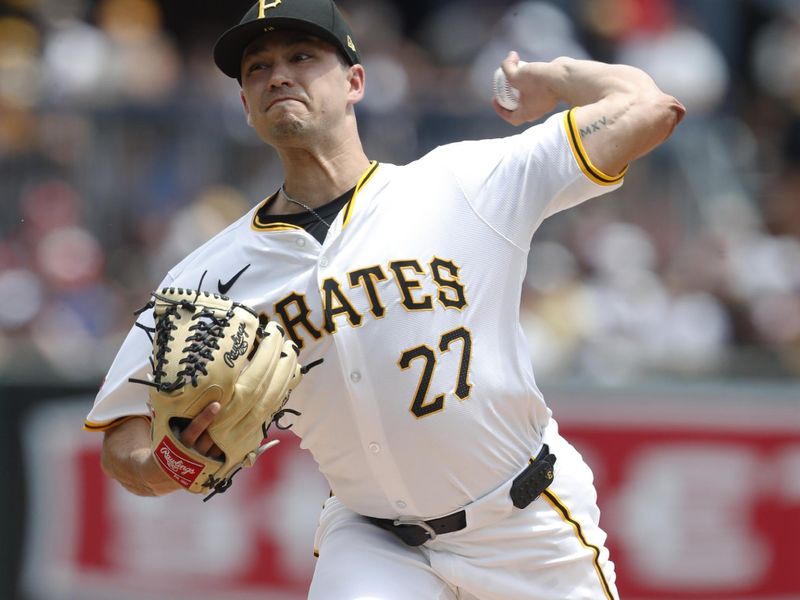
(623, 114)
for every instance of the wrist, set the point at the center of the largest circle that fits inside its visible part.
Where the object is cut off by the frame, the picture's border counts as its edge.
(150, 475)
(559, 71)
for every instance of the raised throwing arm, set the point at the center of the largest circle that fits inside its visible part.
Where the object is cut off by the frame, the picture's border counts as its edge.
(622, 113)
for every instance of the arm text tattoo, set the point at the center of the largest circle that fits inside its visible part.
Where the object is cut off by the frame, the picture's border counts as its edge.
(602, 123)
(594, 127)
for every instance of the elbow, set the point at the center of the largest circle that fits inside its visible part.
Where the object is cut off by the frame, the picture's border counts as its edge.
(656, 117)
(651, 120)
(668, 112)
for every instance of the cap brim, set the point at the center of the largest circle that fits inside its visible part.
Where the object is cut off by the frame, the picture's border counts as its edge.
(231, 45)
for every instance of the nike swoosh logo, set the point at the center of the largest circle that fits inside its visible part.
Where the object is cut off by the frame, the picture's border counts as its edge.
(224, 287)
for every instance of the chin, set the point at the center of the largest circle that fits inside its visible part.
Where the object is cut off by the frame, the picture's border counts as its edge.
(286, 131)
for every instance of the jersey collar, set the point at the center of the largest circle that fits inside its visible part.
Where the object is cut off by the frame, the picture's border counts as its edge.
(347, 210)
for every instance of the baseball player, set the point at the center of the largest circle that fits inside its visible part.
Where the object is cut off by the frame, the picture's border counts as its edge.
(449, 477)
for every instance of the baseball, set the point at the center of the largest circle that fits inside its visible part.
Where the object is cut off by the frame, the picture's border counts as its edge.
(507, 95)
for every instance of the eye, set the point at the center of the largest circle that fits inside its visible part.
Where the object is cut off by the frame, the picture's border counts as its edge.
(256, 66)
(300, 57)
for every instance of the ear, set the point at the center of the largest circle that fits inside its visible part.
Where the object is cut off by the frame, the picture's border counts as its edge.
(246, 108)
(356, 82)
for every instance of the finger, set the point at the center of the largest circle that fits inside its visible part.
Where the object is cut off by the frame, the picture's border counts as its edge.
(509, 116)
(214, 452)
(501, 112)
(510, 65)
(204, 443)
(199, 424)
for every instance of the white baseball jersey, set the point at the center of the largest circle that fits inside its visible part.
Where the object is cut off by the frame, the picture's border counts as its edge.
(426, 399)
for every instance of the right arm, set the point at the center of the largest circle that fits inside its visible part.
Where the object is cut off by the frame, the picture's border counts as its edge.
(126, 454)
(623, 114)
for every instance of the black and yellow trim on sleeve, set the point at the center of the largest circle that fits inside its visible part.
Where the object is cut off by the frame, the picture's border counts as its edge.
(89, 426)
(559, 506)
(348, 208)
(592, 172)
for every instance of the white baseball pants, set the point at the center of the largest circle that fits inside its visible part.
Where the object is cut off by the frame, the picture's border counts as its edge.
(551, 550)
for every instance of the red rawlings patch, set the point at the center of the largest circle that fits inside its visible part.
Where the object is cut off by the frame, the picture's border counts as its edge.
(180, 467)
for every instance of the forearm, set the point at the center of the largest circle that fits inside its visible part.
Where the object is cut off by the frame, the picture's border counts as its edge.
(127, 458)
(582, 82)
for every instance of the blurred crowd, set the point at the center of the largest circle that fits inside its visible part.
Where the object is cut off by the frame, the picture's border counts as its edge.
(122, 148)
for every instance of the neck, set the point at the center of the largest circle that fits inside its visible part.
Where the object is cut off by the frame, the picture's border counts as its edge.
(316, 176)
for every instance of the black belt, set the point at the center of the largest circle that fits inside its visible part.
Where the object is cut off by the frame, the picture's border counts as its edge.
(525, 488)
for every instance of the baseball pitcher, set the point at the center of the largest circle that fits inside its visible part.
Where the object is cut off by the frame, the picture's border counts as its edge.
(375, 307)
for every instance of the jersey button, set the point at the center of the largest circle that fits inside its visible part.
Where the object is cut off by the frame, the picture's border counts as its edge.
(374, 448)
(355, 376)
(400, 504)
(323, 262)
(301, 242)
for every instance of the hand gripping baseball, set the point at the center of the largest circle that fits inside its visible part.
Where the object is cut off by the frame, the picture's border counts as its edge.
(208, 348)
(531, 79)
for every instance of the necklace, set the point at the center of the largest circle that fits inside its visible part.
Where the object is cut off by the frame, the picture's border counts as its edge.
(305, 206)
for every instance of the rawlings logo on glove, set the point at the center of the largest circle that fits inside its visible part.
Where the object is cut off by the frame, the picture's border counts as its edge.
(239, 346)
(179, 466)
(199, 344)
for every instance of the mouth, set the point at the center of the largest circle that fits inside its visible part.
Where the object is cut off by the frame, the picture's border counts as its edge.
(281, 100)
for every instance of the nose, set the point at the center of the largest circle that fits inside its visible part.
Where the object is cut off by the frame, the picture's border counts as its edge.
(280, 76)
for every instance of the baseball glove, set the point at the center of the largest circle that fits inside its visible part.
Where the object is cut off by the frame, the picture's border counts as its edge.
(208, 348)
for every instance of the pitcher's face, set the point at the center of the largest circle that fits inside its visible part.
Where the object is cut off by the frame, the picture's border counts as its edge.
(294, 87)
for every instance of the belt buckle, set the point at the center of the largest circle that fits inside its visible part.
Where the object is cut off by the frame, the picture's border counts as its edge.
(418, 522)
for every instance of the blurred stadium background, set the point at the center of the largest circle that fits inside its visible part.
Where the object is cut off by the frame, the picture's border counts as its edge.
(664, 321)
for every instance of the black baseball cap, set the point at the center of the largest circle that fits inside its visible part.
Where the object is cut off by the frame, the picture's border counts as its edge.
(317, 17)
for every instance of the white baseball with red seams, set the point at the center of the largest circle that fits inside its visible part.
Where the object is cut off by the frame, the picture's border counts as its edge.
(426, 400)
(506, 94)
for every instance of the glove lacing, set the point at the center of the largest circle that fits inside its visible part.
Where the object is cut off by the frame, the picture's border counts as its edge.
(209, 329)
(207, 332)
